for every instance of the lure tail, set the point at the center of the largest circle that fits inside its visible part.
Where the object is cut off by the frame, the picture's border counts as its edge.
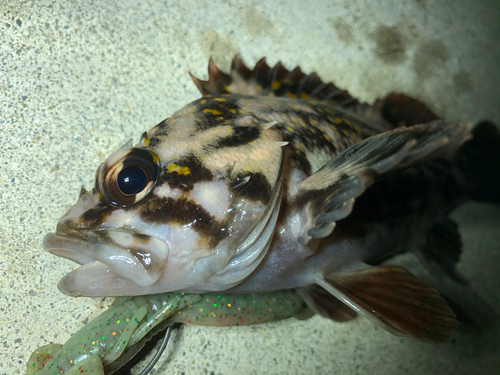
(479, 160)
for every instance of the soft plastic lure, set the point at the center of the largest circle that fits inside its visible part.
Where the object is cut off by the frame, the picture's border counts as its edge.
(109, 341)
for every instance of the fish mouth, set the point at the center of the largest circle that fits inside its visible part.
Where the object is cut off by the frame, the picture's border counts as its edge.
(69, 247)
(120, 256)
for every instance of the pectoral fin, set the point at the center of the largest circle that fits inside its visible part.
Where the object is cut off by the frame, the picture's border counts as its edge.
(329, 194)
(394, 299)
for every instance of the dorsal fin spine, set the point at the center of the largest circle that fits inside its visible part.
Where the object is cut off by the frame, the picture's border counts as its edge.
(263, 80)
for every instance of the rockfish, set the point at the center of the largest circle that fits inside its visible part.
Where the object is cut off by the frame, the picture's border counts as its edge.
(274, 180)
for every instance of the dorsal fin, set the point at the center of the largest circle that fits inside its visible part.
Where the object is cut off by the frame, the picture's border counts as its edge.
(401, 110)
(263, 80)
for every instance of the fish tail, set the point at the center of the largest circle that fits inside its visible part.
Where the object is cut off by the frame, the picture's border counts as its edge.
(479, 161)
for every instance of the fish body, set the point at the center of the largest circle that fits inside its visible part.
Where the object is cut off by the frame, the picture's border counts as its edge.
(274, 180)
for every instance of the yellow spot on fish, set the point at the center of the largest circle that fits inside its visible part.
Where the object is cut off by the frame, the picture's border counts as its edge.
(180, 170)
(220, 99)
(212, 111)
(184, 171)
(203, 101)
(227, 88)
(172, 167)
(327, 137)
(304, 95)
(275, 85)
(291, 95)
(232, 110)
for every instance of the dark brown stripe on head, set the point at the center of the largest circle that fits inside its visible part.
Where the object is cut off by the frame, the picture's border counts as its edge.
(257, 188)
(96, 215)
(183, 212)
(190, 171)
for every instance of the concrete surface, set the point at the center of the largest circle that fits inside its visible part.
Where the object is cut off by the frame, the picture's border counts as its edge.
(78, 79)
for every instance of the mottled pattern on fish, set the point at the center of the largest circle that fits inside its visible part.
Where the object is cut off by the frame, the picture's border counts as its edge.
(275, 180)
(217, 152)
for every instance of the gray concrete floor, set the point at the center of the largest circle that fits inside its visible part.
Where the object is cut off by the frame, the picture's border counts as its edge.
(77, 81)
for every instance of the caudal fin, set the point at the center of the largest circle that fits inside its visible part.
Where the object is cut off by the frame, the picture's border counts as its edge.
(479, 159)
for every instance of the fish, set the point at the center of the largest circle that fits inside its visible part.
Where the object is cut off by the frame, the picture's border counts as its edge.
(274, 180)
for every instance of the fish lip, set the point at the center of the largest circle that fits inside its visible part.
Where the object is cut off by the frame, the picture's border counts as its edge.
(67, 245)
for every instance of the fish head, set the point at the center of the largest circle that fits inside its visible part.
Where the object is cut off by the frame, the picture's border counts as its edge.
(191, 207)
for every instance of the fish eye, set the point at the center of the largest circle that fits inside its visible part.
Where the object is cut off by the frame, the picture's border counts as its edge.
(129, 179)
(132, 180)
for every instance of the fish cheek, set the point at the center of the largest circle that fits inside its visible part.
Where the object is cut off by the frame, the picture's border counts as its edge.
(137, 257)
(170, 211)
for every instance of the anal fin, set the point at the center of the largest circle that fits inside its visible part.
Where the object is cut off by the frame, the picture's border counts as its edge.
(394, 299)
(326, 305)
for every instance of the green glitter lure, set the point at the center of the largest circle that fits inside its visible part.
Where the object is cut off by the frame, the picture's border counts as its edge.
(109, 341)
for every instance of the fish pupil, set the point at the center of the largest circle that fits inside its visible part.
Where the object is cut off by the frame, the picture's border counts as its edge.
(132, 180)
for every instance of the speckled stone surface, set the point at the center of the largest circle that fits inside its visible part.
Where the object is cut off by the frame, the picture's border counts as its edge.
(79, 80)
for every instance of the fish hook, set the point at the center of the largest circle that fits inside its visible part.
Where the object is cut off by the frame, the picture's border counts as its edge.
(158, 354)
